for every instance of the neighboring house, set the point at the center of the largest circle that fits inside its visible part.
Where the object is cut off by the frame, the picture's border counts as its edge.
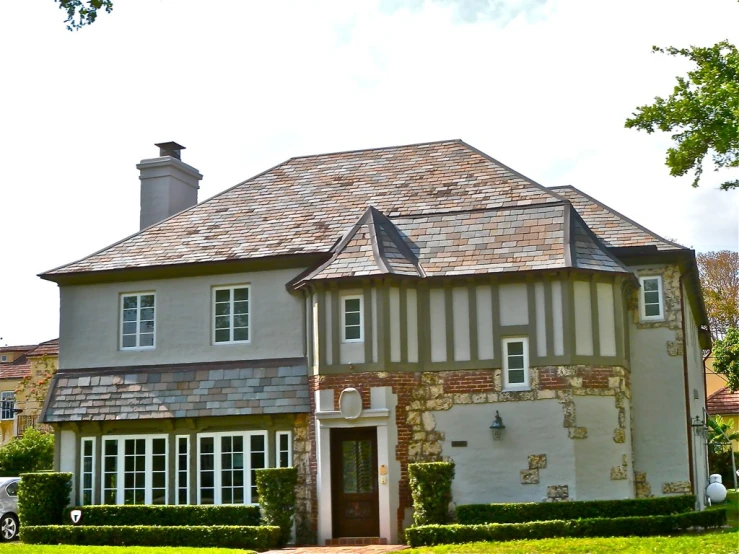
(714, 381)
(725, 403)
(24, 369)
(350, 313)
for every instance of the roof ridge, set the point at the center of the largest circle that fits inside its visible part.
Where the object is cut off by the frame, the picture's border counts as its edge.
(561, 202)
(377, 149)
(622, 216)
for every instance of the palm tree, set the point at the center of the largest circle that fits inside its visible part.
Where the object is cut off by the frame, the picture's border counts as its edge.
(718, 433)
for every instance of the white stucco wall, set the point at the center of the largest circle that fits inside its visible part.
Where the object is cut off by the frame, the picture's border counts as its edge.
(485, 338)
(437, 310)
(90, 321)
(490, 471)
(461, 305)
(598, 453)
(658, 400)
(583, 319)
(514, 304)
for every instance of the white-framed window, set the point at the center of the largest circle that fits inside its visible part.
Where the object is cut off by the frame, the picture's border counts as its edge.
(3, 358)
(87, 471)
(651, 303)
(138, 321)
(183, 469)
(231, 308)
(284, 449)
(7, 404)
(351, 319)
(135, 469)
(516, 363)
(227, 463)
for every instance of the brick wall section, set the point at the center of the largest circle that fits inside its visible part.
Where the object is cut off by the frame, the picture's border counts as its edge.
(550, 379)
(596, 378)
(468, 381)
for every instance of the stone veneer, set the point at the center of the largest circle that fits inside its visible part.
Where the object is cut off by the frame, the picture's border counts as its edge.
(421, 394)
(673, 313)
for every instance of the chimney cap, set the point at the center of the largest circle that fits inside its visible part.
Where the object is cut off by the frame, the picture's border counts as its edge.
(170, 149)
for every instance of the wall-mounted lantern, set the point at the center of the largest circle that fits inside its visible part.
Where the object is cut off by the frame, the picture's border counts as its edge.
(497, 427)
(700, 427)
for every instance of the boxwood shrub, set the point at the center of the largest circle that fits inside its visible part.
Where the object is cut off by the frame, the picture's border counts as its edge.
(203, 536)
(429, 535)
(43, 496)
(478, 514)
(276, 488)
(166, 515)
(431, 490)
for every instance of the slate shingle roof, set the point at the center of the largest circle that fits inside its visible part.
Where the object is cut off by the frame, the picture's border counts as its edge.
(271, 388)
(723, 401)
(611, 227)
(525, 238)
(304, 204)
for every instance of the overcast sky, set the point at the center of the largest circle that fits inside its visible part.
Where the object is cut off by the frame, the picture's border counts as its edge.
(542, 85)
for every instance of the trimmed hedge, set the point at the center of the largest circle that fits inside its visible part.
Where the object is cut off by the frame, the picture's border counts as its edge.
(431, 490)
(480, 514)
(43, 496)
(276, 488)
(257, 538)
(429, 535)
(179, 516)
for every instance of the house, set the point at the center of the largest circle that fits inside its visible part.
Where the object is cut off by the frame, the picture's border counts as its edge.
(24, 373)
(725, 403)
(350, 313)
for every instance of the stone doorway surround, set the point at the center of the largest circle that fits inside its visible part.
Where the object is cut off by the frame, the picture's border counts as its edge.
(353, 412)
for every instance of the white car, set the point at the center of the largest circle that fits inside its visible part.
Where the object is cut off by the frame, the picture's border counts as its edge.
(9, 508)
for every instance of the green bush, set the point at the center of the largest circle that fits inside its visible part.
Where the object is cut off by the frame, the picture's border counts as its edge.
(479, 514)
(31, 452)
(166, 515)
(429, 535)
(42, 497)
(257, 538)
(431, 490)
(720, 462)
(276, 488)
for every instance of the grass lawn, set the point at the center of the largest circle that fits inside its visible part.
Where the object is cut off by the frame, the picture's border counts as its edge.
(712, 543)
(732, 508)
(20, 548)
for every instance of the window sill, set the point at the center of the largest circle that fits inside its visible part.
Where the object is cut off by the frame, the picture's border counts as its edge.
(516, 389)
(137, 348)
(352, 341)
(651, 319)
(231, 342)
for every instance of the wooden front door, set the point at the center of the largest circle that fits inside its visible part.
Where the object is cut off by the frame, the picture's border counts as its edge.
(355, 503)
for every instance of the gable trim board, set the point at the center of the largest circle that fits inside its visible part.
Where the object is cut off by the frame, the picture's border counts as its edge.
(450, 253)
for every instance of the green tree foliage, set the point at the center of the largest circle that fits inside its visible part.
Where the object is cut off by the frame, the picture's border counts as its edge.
(719, 272)
(83, 12)
(702, 113)
(718, 431)
(726, 358)
(34, 451)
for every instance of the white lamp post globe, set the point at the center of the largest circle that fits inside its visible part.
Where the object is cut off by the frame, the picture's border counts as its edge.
(716, 492)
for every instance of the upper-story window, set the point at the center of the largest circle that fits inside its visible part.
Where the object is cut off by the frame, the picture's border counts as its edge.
(351, 329)
(651, 303)
(516, 363)
(231, 313)
(137, 320)
(3, 358)
(7, 403)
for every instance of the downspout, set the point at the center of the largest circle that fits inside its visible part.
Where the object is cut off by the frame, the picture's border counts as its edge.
(686, 386)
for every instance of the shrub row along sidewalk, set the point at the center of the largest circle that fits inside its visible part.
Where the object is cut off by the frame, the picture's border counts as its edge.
(429, 535)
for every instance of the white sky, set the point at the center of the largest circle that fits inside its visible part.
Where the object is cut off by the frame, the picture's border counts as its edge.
(542, 85)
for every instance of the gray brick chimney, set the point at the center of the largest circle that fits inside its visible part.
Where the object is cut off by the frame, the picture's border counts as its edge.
(168, 185)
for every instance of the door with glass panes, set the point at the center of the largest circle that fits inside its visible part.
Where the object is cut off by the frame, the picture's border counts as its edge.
(355, 501)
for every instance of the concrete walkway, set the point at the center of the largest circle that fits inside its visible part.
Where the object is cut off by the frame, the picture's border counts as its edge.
(373, 549)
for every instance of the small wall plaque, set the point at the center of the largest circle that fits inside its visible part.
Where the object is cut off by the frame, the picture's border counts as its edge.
(459, 444)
